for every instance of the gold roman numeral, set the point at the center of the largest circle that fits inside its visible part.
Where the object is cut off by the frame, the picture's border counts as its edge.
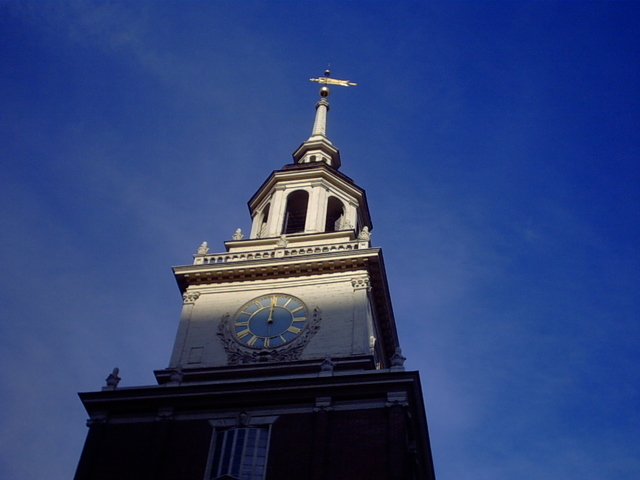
(243, 333)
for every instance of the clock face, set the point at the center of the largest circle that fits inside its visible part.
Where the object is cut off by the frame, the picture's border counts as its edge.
(270, 321)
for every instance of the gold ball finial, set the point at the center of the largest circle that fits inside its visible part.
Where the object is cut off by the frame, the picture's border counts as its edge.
(324, 91)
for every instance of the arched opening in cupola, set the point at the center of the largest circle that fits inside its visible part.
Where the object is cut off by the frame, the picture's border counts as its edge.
(335, 215)
(295, 214)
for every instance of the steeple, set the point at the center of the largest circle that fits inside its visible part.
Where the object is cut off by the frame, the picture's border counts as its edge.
(286, 362)
(318, 148)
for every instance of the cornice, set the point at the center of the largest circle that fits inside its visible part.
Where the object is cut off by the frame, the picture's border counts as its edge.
(306, 171)
(251, 392)
(257, 269)
(247, 372)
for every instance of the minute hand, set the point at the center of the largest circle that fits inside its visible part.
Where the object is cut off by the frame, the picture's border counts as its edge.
(273, 306)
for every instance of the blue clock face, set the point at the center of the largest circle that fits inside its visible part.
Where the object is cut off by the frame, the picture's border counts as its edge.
(270, 321)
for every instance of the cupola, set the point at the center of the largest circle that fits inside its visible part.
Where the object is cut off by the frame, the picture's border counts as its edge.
(310, 195)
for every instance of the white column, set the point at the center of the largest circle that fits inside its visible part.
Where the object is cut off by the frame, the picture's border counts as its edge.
(361, 332)
(276, 212)
(179, 347)
(351, 214)
(255, 225)
(316, 209)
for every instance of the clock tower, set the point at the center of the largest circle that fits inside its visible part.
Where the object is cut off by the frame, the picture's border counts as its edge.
(286, 363)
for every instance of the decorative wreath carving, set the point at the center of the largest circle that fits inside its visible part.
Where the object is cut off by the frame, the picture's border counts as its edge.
(238, 354)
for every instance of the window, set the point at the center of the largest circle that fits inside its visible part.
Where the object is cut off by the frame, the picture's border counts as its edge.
(296, 213)
(335, 215)
(240, 453)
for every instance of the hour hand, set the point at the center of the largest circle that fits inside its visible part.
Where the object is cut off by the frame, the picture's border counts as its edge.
(273, 305)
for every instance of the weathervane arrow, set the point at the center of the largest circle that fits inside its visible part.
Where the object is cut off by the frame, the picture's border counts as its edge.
(332, 81)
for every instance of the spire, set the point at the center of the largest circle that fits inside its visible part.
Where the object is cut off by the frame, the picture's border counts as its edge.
(318, 148)
(320, 125)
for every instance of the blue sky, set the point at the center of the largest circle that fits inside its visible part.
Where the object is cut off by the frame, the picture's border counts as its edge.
(498, 143)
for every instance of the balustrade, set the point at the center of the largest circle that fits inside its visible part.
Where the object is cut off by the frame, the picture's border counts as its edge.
(279, 252)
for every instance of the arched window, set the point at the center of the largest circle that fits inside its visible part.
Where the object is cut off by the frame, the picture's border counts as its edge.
(262, 232)
(296, 213)
(335, 215)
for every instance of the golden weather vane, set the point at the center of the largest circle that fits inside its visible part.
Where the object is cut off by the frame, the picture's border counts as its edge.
(326, 80)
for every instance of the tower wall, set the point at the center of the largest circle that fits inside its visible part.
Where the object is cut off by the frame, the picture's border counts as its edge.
(346, 324)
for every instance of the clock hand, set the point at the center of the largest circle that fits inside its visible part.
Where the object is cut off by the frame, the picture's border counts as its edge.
(273, 305)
